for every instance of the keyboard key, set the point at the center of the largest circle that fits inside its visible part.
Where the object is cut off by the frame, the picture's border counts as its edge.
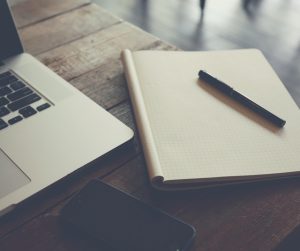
(5, 90)
(3, 111)
(3, 124)
(27, 111)
(8, 80)
(43, 107)
(19, 94)
(15, 120)
(23, 102)
(17, 85)
(3, 101)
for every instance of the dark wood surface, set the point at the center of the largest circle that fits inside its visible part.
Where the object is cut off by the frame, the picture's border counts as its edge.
(82, 43)
(269, 25)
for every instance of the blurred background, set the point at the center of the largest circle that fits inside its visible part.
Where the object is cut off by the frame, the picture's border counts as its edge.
(272, 26)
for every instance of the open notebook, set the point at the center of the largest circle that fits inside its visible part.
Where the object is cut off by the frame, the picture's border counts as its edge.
(192, 135)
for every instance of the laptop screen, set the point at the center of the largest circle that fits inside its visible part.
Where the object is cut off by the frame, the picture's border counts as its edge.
(10, 43)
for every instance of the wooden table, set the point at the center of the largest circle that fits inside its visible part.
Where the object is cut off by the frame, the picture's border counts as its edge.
(82, 43)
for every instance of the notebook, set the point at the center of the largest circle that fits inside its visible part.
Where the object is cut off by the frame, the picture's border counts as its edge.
(193, 135)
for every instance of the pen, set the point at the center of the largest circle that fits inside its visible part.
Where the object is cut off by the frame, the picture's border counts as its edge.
(229, 91)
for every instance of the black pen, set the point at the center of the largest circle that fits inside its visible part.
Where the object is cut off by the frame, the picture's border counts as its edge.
(229, 91)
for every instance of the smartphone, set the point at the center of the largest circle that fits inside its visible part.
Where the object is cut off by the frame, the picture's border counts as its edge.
(124, 222)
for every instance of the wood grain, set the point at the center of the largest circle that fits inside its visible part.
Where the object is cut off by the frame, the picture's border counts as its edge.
(32, 11)
(63, 29)
(83, 55)
(106, 84)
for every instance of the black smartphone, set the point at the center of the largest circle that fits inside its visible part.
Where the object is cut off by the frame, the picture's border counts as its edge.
(124, 222)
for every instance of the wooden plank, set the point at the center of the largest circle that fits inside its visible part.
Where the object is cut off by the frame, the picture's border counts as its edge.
(62, 29)
(32, 11)
(106, 84)
(86, 54)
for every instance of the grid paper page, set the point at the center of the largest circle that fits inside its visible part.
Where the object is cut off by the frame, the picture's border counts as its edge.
(199, 132)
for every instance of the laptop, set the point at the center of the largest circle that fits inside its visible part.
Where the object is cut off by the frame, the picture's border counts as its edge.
(48, 129)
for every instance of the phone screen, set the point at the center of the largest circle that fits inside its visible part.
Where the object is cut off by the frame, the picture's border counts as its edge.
(125, 223)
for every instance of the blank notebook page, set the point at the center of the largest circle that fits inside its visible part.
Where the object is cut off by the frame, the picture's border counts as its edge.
(199, 132)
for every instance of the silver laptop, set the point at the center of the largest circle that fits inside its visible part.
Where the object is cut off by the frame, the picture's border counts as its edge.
(48, 128)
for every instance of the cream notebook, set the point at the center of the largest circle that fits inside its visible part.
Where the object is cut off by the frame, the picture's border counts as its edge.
(192, 135)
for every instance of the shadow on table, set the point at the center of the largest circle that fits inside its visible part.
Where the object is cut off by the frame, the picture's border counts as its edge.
(291, 242)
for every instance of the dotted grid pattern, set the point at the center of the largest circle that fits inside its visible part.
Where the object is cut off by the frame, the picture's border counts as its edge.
(199, 133)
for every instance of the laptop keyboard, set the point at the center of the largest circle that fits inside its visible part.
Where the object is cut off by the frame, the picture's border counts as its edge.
(17, 100)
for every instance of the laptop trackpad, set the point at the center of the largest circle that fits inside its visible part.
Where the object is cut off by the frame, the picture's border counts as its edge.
(11, 177)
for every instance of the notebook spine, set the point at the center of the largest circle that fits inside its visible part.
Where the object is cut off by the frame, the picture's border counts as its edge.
(145, 132)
